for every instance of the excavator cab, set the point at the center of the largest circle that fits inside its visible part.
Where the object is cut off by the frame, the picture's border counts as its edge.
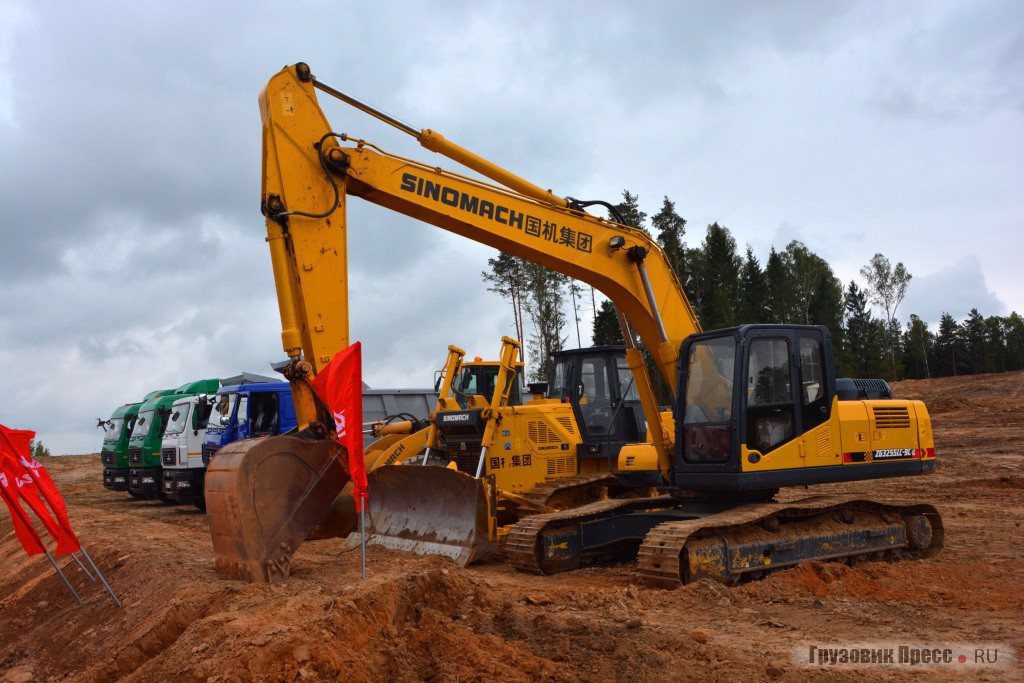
(600, 387)
(756, 413)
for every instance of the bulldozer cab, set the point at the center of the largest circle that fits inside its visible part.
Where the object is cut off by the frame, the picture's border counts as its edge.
(478, 379)
(600, 387)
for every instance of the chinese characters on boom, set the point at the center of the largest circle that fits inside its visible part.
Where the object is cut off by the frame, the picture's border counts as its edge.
(546, 231)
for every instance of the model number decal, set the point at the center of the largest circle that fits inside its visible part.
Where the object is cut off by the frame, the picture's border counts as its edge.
(894, 453)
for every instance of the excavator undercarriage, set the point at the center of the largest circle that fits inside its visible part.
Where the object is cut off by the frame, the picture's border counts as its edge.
(679, 542)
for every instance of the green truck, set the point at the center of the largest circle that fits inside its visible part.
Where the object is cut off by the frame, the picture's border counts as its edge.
(145, 474)
(117, 432)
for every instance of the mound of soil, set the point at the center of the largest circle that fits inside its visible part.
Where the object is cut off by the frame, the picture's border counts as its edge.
(417, 618)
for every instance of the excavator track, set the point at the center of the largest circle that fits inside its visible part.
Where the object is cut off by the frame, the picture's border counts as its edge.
(750, 540)
(686, 540)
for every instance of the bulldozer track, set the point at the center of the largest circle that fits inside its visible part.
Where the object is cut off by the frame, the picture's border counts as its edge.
(543, 493)
(663, 557)
(522, 544)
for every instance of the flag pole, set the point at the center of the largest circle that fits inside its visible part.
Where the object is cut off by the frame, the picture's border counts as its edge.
(75, 557)
(100, 574)
(362, 528)
(63, 578)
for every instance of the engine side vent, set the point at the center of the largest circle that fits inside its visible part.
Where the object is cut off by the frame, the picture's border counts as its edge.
(135, 455)
(891, 417)
(824, 442)
(567, 423)
(169, 456)
(561, 466)
(539, 433)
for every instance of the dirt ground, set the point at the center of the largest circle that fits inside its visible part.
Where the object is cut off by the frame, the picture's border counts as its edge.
(426, 619)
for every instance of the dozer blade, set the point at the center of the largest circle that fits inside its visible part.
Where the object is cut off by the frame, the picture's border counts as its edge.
(264, 496)
(428, 510)
(340, 519)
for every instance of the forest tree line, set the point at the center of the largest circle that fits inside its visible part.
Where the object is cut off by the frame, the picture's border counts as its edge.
(794, 286)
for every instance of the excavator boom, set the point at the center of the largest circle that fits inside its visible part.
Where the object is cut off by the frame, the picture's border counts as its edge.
(267, 495)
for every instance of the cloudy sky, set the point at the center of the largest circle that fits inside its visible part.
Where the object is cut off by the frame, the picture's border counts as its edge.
(132, 244)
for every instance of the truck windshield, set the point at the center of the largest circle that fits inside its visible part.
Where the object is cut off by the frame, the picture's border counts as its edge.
(143, 424)
(224, 407)
(178, 419)
(113, 432)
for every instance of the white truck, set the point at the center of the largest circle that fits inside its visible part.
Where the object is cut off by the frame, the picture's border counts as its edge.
(181, 453)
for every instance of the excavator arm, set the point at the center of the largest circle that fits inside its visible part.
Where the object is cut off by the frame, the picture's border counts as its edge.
(309, 171)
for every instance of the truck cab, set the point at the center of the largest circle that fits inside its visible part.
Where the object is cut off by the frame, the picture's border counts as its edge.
(244, 411)
(145, 476)
(114, 452)
(181, 452)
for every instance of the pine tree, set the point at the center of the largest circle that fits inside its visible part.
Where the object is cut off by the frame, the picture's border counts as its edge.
(719, 285)
(975, 341)
(629, 211)
(607, 330)
(670, 228)
(995, 338)
(947, 347)
(781, 296)
(864, 336)
(754, 303)
(1014, 342)
(917, 348)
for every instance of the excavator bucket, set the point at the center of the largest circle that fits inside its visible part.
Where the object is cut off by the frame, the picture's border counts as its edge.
(264, 496)
(429, 510)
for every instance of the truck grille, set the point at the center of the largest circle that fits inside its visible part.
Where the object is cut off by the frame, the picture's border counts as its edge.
(108, 458)
(135, 455)
(208, 452)
(169, 456)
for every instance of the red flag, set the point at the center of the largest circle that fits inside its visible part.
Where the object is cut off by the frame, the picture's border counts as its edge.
(23, 528)
(340, 386)
(67, 541)
(25, 487)
(17, 441)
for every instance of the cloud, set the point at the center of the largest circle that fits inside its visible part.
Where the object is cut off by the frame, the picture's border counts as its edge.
(954, 290)
(133, 253)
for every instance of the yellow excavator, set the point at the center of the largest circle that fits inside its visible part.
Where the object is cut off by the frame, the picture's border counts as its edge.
(755, 407)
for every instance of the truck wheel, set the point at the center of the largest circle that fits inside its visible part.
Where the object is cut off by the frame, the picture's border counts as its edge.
(200, 503)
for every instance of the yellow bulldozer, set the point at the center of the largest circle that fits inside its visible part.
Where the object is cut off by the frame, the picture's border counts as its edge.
(754, 407)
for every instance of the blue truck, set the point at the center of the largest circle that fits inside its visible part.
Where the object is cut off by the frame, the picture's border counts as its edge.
(257, 408)
(242, 410)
